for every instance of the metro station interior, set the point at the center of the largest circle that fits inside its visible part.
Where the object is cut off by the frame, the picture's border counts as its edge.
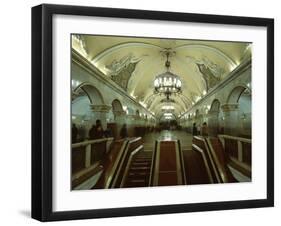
(159, 112)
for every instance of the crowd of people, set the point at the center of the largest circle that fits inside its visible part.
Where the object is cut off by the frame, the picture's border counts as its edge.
(95, 132)
(203, 130)
(79, 134)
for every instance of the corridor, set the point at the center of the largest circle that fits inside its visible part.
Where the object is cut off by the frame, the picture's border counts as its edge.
(168, 135)
(159, 112)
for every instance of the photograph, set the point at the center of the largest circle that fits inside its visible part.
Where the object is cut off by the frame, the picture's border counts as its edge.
(141, 112)
(154, 111)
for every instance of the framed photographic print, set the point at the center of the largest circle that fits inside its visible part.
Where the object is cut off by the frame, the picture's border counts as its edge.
(146, 112)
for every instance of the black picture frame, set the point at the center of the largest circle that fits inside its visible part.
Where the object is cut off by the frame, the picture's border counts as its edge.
(42, 107)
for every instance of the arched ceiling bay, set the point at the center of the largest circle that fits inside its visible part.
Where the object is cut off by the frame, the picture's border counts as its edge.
(133, 63)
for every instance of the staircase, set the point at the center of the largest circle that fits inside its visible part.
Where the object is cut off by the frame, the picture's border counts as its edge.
(139, 171)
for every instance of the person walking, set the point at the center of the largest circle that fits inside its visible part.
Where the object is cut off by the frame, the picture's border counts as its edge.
(123, 131)
(96, 132)
(74, 133)
(204, 129)
(194, 129)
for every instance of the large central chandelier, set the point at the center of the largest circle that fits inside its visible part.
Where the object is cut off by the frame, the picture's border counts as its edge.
(167, 83)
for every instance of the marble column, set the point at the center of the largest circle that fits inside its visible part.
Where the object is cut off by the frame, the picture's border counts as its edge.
(213, 123)
(130, 121)
(231, 119)
(100, 112)
(120, 119)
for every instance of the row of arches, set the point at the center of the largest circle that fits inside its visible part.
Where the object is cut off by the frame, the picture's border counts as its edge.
(232, 117)
(89, 105)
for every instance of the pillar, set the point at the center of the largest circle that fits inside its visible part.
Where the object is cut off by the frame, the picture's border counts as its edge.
(120, 119)
(213, 123)
(231, 119)
(100, 112)
(130, 121)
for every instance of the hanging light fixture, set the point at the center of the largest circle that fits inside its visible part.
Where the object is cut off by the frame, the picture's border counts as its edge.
(167, 101)
(167, 83)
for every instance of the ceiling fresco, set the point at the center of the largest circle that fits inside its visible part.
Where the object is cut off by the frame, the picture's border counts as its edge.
(133, 63)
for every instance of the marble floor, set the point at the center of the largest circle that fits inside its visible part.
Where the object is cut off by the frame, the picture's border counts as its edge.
(184, 137)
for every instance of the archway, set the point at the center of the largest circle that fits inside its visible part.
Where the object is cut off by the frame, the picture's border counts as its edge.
(80, 114)
(117, 106)
(168, 121)
(93, 93)
(84, 97)
(237, 112)
(235, 94)
(94, 105)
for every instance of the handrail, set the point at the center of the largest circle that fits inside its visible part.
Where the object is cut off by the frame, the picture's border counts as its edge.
(212, 164)
(121, 162)
(239, 141)
(181, 162)
(88, 148)
(246, 140)
(201, 151)
(151, 177)
(155, 164)
(132, 154)
(114, 169)
(88, 142)
(82, 179)
(134, 140)
(220, 167)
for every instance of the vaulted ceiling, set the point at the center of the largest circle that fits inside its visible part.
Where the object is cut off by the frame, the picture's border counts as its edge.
(133, 63)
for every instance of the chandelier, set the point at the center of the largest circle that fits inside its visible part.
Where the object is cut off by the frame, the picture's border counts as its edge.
(167, 83)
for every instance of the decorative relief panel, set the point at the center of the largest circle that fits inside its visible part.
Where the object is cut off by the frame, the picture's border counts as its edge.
(212, 73)
(121, 71)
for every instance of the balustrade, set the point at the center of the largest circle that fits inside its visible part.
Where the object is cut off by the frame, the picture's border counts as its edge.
(85, 154)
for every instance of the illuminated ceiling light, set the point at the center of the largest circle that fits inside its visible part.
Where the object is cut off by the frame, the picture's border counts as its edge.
(197, 98)
(143, 104)
(168, 114)
(233, 66)
(167, 83)
(125, 108)
(132, 95)
(165, 100)
(167, 107)
(204, 92)
(74, 83)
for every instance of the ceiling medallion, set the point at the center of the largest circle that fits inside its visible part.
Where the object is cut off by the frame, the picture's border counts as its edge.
(167, 83)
